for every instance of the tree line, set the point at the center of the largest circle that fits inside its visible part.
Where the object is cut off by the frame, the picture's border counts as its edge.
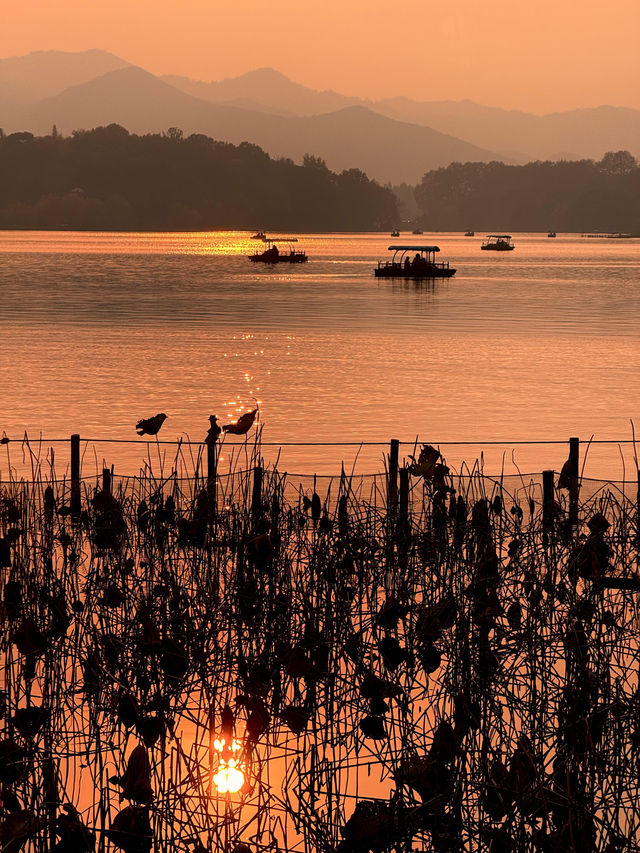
(108, 178)
(579, 196)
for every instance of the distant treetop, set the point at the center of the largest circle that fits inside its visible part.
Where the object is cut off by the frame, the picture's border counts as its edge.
(166, 181)
(569, 195)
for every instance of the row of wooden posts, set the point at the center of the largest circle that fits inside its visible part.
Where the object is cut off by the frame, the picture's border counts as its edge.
(212, 465)
(548, 485)
(397, 498)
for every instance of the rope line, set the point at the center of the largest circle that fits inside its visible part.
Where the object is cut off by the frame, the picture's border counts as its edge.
(189, 443)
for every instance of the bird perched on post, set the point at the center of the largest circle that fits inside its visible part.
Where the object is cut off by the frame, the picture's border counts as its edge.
(151, 426)
(567, 478)
(214, 430)
(242, 425)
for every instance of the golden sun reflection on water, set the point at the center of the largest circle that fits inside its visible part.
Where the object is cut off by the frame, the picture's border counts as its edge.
(219, 243)
(229, 777)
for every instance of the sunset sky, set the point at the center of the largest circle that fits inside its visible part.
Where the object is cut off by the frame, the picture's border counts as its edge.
(539, 56)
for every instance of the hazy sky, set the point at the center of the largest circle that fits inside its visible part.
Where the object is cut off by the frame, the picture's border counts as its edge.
(531, 54)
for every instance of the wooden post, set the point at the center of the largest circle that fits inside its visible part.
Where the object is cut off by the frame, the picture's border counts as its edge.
(212, 475)
(75, 474)
(403, 512)
(547, 499)
(106, 481)
(574, 490)
(392, 485)
(404, 494)
(256, 497)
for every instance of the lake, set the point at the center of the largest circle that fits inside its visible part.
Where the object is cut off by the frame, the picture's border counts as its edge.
(100, 329)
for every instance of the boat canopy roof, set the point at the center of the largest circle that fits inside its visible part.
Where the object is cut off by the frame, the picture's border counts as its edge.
(281, 240)
(414, 248)
(500, 236)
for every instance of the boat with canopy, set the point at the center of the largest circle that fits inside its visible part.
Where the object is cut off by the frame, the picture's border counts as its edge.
(422, 265)
(275, 255)
(498, 243)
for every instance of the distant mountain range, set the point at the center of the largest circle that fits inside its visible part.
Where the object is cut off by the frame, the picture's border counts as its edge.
(394, 140)
(571, 135)
(516, 135)
(25, 80)
(268, 91)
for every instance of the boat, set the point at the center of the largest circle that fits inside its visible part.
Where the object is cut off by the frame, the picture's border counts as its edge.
(395, 233)
(422, 265)
(418, 231)
(259, 235)
(551, 234)
(469, 233)
(498, 243)
(273, 255)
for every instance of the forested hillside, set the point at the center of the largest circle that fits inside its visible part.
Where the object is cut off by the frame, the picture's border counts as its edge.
(580, 195)
(108, 178)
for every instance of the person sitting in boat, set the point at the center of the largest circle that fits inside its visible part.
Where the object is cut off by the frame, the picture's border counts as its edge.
(272, 253)
(417, 261)
(407, 263)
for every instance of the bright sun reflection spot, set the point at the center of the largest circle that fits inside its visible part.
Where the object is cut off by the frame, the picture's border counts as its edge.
(229, 779)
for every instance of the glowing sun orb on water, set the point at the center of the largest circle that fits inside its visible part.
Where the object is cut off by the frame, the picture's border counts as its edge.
(229, 779)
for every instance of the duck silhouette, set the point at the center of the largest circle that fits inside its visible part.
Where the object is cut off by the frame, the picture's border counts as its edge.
(242, 425)
(151, 426)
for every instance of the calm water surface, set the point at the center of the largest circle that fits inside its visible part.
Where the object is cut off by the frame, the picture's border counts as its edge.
(540, 343)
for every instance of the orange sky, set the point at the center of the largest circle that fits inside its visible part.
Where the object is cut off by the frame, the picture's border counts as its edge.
(538, 56)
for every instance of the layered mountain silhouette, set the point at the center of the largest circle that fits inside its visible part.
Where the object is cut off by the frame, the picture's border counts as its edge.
(396, 139)
(355, 137)
(519, 135)
(267, 90)
(25, 80)
(570, 135)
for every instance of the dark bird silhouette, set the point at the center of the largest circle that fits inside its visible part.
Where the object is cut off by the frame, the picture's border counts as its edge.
(151, 426)
(214, 430)
(242, 425)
